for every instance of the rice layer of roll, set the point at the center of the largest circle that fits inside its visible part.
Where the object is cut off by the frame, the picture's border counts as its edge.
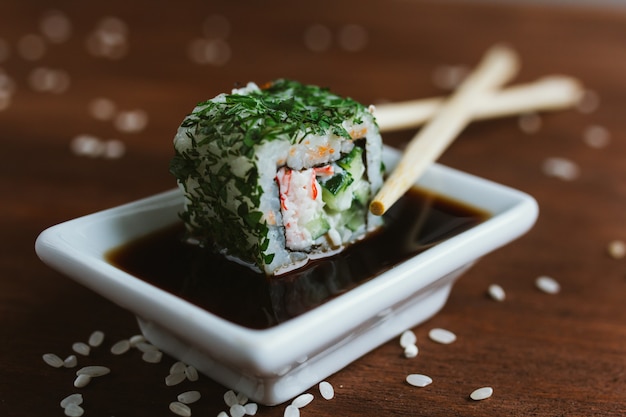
(276, 176)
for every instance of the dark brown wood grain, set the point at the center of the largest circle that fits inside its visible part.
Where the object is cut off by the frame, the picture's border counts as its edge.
(544, 355)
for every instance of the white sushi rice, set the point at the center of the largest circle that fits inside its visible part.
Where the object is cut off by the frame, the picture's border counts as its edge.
(442, 336)
(152, 356)
(251, 408)
(230, 398)
(74, 410)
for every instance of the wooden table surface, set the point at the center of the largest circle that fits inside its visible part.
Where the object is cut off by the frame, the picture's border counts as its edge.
(544, 355)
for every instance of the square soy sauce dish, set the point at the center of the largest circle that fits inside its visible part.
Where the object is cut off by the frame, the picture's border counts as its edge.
(272, 339)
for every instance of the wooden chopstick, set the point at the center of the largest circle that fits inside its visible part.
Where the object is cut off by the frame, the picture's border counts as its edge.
(497, 67)
(554, 92)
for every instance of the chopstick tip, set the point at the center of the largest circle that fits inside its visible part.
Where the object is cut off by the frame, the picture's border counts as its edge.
(377, 208)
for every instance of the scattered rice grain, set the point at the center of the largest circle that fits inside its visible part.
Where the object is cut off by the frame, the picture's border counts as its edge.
(496, 292)
(411, 351)
(70, 362)
(223, 414)
(291, 411)
(134, 340)
(52, 360)
(617, 249)
(317, 37)
(72, 399)
(146, 347)
(191, 373)
(152, 356)
(96, 338)
(81, 348)
(419, 380)
(230, 398)
(237, 410)
(442, 336)
(120, 347)
(74, 410)
(242, 398)
(180, 409)
(561, 168)
(596, 136)
(302, 400)
(481, 393)
(174, 379)
(93, 371)
(189, 397)
(352, 37)
(548, 284)
(82, 381)
(251, 408)
(178, 367)
(326, 390)
(408, 338)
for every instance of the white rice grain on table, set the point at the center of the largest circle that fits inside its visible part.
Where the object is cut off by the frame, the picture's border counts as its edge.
(81, 348)
(230, 398)
(496, 292)
(442, 336)
(178, 367)
(174, 379)
(548, 285)
(180, 409)
(481, 393)
(72, 399)
(189, 397)
(242, 398)
(93, 371)
(138, 338)
(326, 390)
(191, 373)
(152, 356)
(251, 408)
(52, 360)
(291, 411)
(237, 410)
(74, 410)
(96, 338)
(407, 338)
(302, 400)
(419, 380)
(70, 362)
(121, 347)
(82, 380)
(411, 351)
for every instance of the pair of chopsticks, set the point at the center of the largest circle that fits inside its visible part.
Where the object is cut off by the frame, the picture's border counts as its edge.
(478, 97)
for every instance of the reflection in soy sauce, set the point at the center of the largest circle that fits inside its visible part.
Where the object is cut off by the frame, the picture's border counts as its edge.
(415, 223)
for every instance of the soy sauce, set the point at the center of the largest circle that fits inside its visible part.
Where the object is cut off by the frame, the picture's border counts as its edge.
(415, 223)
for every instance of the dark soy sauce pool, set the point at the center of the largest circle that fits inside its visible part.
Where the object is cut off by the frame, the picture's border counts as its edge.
(415, 223)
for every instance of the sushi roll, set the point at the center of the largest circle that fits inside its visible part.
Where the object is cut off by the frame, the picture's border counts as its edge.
(276, 176)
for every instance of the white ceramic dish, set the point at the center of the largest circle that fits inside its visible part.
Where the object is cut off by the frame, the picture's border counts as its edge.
(273, 365)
